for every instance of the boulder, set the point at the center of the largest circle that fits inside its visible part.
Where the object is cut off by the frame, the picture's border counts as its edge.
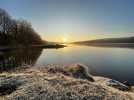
(80, 71)
(8, 85)
(118, 85)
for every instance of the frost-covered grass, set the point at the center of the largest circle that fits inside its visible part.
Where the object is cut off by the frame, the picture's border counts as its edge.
(54, 82)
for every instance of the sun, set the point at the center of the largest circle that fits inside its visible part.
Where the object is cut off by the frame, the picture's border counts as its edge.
(64, 40)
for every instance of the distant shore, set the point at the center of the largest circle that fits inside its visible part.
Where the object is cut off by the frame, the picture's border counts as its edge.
(127, 42)
(45, 46)
(127, 45)
(50, 46)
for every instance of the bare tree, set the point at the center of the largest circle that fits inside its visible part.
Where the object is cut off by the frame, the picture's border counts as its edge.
(16, 31)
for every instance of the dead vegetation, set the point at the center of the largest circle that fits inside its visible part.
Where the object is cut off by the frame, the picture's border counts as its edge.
(44, 83)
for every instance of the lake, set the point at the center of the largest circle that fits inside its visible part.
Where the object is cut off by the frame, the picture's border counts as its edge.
(116, 63)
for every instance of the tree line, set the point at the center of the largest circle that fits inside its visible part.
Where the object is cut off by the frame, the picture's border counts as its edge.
(16, 32)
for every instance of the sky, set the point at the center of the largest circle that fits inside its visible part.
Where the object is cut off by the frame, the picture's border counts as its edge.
(75, 20)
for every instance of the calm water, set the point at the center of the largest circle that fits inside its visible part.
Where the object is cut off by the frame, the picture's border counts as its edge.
(116, 63)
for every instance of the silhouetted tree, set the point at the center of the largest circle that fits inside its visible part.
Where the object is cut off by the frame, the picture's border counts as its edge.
(5, 26)
(16, 32)
(27, 34)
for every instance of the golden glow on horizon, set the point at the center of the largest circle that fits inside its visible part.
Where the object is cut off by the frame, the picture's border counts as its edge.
(64, 40)
(67, 39)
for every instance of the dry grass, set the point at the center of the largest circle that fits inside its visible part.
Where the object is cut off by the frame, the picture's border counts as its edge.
(43, 83)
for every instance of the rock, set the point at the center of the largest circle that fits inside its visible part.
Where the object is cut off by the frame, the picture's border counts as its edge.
(80, 71)
(8, 85)
(118, 85)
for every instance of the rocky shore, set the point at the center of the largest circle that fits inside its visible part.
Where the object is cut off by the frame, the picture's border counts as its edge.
(60, 82)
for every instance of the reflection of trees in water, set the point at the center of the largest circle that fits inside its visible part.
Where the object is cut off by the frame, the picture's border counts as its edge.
(15, 58)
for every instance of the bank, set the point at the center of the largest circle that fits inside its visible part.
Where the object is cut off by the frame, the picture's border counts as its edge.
(60, 82)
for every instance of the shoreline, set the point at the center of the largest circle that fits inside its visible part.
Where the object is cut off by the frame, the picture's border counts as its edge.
(121, 45)
(58, 82)
(48, 46)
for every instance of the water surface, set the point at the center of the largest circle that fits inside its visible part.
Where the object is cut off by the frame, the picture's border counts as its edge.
(116, 63)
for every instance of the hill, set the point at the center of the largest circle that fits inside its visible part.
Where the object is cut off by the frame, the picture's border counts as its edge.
(113, 42)
(110, 40)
